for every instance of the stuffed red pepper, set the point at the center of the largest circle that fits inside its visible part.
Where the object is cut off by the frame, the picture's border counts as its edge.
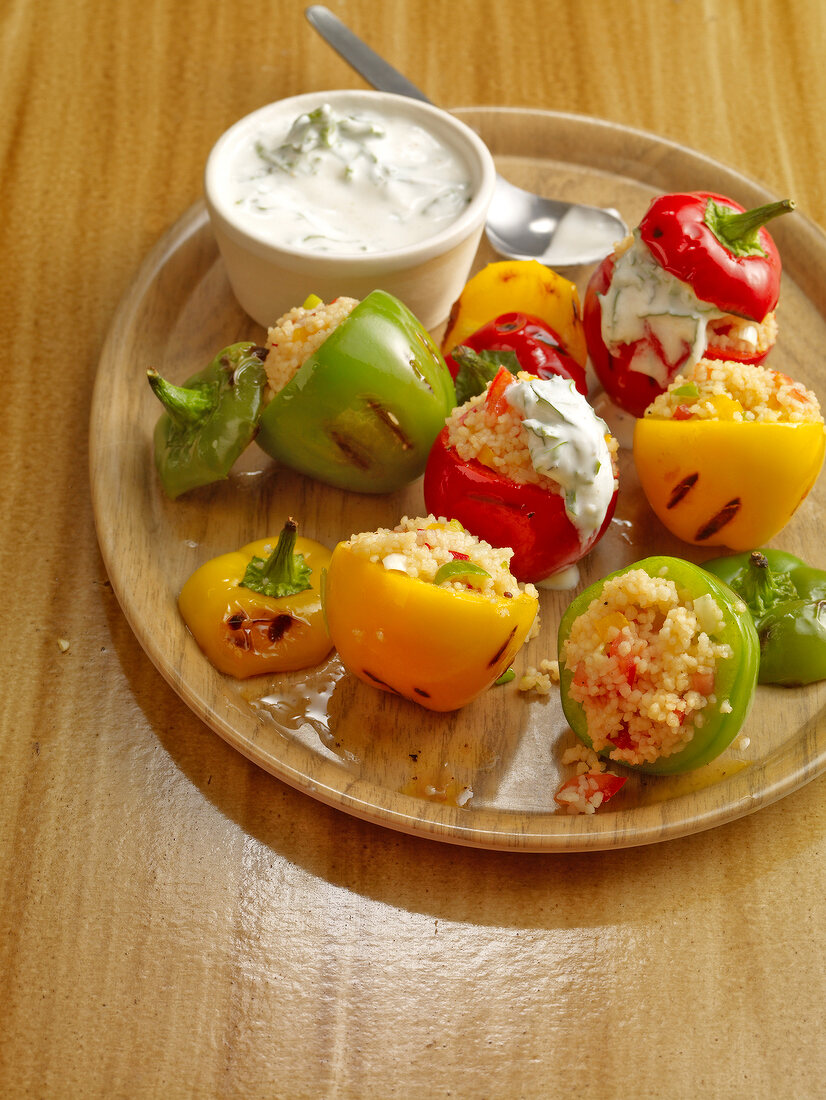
(699, 277)
(527, 464)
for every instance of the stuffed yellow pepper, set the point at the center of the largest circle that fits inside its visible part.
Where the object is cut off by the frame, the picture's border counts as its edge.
(727, 453)
(258, 609)
(426, 611)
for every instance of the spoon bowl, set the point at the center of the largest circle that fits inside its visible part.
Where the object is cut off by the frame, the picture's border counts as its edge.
(520, 225)
(524, 226)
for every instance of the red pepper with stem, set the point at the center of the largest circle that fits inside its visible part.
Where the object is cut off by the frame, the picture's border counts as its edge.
(724, 256)
(721, 250)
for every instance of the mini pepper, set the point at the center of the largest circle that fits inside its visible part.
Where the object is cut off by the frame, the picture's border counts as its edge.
(258, 609)
(516, 341)
(700, 276)
(521, 286)
(426, 611)
(721, 250)
(362, 408)
(787, 601)
(210, 420)
(546, 486)
(617, 638)
(727, 454)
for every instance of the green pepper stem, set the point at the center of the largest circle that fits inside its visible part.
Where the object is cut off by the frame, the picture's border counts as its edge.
(739, 231)
(761, 588)
(281, 566)
(186, 407)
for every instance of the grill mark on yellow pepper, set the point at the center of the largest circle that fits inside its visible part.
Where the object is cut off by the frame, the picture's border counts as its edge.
(717, 522)
(726, 482)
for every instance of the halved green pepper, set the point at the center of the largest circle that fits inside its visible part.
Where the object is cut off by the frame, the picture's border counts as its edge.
(734, 677)
(787, 600)
(362, 411)
(208, 421)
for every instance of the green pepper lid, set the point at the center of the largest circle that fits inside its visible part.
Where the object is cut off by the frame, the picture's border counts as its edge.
(209, 421)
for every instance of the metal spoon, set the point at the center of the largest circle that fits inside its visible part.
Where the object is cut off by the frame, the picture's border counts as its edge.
(520, 225)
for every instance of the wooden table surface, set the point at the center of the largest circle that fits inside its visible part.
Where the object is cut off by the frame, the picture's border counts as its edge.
(175, 922)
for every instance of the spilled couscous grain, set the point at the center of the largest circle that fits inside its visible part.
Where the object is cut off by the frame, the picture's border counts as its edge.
(540, 680)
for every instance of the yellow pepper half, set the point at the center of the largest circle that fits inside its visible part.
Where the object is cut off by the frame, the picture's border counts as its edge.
(518, 286)
(439, 647)
(724, 482)
(245, 632)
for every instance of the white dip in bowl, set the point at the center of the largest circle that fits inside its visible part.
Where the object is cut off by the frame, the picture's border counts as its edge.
(344, 192)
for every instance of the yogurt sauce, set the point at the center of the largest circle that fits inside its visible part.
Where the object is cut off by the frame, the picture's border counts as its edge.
(566, 440)
(346, 184)
(648, 304)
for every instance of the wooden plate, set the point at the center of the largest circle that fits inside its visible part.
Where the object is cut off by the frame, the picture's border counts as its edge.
(485, 775)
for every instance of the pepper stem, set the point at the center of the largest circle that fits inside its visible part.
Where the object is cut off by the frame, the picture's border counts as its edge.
(280, 568)
(761, 588)
(739, 231)
(185, 407)
(283, 573)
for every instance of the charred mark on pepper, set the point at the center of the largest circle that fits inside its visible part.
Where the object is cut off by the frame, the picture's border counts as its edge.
(501, 650)
(719, 521)
(242, 626)
(279, 626)
(352, 454)
(681, 488)
(390, 421)
(422, 692)
(432, 353)
(381, 683)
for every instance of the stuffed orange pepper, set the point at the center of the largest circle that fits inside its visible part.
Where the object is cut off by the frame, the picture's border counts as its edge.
(426, 611)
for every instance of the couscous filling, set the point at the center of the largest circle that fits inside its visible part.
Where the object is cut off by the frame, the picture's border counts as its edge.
(441, 551)
(295, 336)
(725, 390)
(644, 661)
(741, 336)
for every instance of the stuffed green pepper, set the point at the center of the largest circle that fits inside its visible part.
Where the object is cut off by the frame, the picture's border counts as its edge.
(658, 666)
(360, 391)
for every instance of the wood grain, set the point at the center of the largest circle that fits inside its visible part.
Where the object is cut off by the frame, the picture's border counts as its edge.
(175, 921)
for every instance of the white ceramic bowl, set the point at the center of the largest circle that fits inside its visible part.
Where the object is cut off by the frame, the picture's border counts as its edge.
(268, 279)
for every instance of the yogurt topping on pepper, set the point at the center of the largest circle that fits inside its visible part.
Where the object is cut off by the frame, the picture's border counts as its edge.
(568, 443)
(345, 184)
(648, 305)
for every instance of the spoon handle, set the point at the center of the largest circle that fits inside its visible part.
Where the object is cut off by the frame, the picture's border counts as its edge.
(365, 61)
